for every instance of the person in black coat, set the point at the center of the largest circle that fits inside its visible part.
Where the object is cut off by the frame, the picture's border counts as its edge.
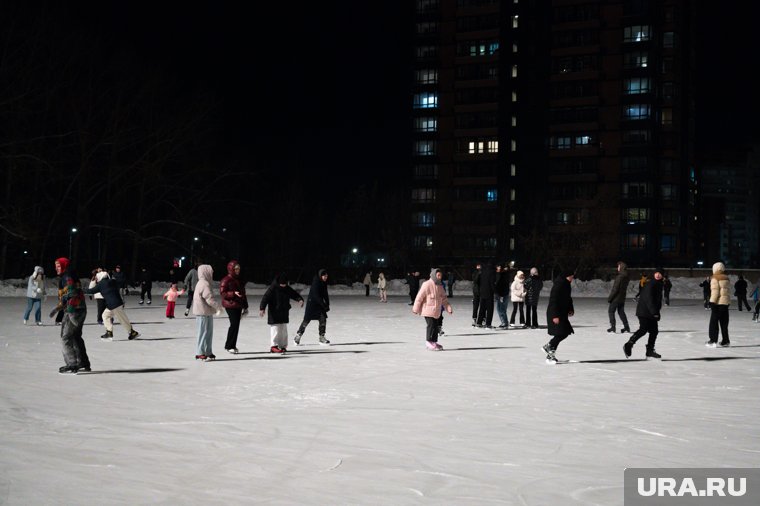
(413, 280)
(616, 299)
(740, 290)
(558, 313)
(278, 297)
(111, 292)
(486, 287)
(648, 313)
(533, 287)
(706, 291)
(146, 285)
(501, 289)
(317, 307)
(475, 294)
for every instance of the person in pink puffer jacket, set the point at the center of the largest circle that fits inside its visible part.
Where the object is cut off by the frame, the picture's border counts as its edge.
(430, 301)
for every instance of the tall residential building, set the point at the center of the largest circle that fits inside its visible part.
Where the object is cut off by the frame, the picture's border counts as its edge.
(554, 132)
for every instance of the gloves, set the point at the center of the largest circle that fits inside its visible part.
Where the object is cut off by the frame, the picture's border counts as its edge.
(39, 290)
(245, 312)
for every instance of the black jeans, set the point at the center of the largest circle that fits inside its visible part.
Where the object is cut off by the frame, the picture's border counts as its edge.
(431, 333)
(531, 314)
(620, 308)
(485, 312)
(145, 291)
(742, 300)
(101, 306)
(232, 333)
(475, 306)
(189, 299)
(718, 317)
(322, 325)
(649, 325)
(515, 307)
(556, 340)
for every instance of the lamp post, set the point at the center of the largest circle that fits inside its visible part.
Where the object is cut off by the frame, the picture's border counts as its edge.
(192, 248)
(71, 237)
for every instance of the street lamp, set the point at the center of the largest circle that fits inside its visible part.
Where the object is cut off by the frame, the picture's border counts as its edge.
(192, 247)
(71, 237)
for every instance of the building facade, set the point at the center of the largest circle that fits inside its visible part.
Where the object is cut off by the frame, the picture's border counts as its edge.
(553, 132)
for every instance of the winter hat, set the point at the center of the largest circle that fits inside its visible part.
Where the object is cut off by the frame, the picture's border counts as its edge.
(64, 262)
(322, 272)
(520, 274)
(433, 272)
(282, 279)
(566, 273)
(718, 267)
(101, 276)
(533, 271)
(38, 270)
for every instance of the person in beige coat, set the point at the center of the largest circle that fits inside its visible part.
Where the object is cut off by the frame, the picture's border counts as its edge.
(430, 301)
(382, 287)
(205, 307)
(720, 299)
(517, 296)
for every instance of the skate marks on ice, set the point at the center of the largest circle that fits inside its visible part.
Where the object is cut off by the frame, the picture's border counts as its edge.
(657, 434)
(131, 371)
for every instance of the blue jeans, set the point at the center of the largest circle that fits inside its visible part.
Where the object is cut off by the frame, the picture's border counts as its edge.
(30, 302)
(501, 309)
(205, 335)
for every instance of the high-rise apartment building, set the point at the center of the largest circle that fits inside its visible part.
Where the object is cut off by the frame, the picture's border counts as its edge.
(553, 131)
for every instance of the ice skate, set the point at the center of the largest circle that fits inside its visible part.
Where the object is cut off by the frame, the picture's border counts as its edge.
(297, 339)
(611, 330)
(430, 345)
(711, 344)
(233, 351)
(725, 344)
(108, 336)
(652, 354)
(67, 370)
(187, 312)
(133, 334)
(276, 349)
(323, 341)
(209, 358)
(628, 349)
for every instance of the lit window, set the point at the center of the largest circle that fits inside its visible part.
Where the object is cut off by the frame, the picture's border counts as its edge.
(427, 76)
(514, 48)
(512, 195)
(637, 111)
(583, 140)
(424, 148)
(632, 216)
(513, 145)
(493, 48)
(513, 170)
(491, 195)
(514, 121)
(426, 124)
(425, 100)
(562, 142)
(514, 70)
(666, 116)
(637, 85)
(514, 96)
(636, 33)
(423, 242)
(474, 147)
(514, 21)
(512, 218)
(493, 146)
(425, 219)
(634, 241)
(511, 244)
(635, 60)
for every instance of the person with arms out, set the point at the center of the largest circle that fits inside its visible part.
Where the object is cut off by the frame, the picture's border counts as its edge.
(648, 313)
(205, 307)
(616, 298)
(74, 309)
(235, 302)
(317, 307)
(171, 297)
(35, 292)
(277, 298)
(114, 305)
(558, 313)
(429, 303)
(533, 287)
(720, 300)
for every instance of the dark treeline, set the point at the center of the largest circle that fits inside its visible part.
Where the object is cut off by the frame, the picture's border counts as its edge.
(96, 136)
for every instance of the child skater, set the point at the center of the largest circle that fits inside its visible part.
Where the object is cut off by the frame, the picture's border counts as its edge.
(278, 297)
(430, 301)
(171, 297)
(205, 307)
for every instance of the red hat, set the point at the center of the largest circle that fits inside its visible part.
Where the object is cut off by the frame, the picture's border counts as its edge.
(64, 262)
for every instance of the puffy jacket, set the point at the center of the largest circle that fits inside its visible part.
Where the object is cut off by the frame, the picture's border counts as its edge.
(720, 286)
(204, 303)
(36, 287)
(278, 299)
(517, 290)
(230, 284)
(430, 299)
(533, 287)
(108, 289)
(318, 303)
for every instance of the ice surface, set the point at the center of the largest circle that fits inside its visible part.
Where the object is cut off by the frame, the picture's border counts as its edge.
(373, 419)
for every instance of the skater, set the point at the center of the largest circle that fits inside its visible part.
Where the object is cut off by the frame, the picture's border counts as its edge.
(648, 313)
(740, 290)
(720, 300)
(235, 302)
(120, 279)
(317, 307)
(642, 281)
(191, 279)
(486, 282)
(706, 291)
(413, 280)
(74, 309)
(558, 314)
(146, 284)
(114, 305)
(476, 294)
(616, 299)
(381, 286)
(367, 283)
(517, 295)
(35, 292)
(429, 303)
(171, 297)
(533, 287)
(278, 297)
(755, 297)
(205, 307)
(451, 281)
(100, 303)
(501, 291)
(666, 287)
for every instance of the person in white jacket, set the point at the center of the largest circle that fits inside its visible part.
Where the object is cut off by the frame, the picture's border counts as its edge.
(517, 296)
(381, 285)
(35, 292)
(205, 307)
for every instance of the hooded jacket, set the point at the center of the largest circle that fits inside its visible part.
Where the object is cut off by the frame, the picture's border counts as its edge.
(720, 286)
(517, 290)
(70, 288)
(431, 297)
(204, 303)
(318, 303)
(560, 306)
(230, 284)
(650, 300)
(619, 286)
(36, 287)
(278, 299)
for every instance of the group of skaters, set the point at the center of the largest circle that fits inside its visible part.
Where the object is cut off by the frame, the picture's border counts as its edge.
(491, 286)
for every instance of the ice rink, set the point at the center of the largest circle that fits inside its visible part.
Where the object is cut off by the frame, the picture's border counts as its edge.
(373, 419)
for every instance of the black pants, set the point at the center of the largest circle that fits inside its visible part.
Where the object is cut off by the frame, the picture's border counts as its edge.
(485, 312)
(649, 325)
(556, 340)
(145, 290)
(366, 290)
(742, 300)
(531, 314)
(719, 317)
(232, 333)
(620, 308)
(666, 296)
(475, 306)
(189, 299)
(451, 289)
(322, 325)
(515, 307)
(757, 308)
(101, 304)
(431, 333)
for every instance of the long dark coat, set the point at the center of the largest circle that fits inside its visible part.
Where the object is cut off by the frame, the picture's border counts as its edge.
(318, 303)
(650, 300)
(560, 306)
(278, 299)
(619, 287)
